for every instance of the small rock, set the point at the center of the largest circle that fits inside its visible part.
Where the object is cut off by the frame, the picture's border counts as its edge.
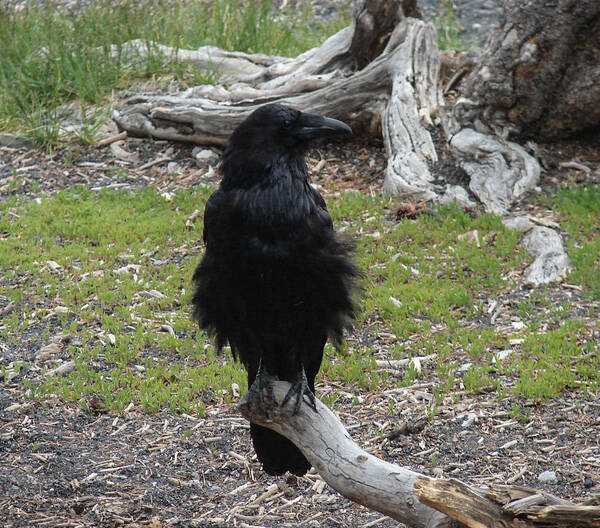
(437, 472)
(547, 476)
(173, 167)
(469, 420)
(205, 156)
(518, 223)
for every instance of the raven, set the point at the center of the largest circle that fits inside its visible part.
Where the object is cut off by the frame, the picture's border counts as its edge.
(275, 280)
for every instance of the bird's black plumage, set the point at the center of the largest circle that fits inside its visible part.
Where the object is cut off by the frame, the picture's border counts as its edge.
(275, 281)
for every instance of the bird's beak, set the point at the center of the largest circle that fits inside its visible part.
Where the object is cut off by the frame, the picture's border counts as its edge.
(311, 126)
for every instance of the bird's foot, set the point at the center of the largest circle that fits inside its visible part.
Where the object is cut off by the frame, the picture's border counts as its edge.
(263, 382)
(299, 389)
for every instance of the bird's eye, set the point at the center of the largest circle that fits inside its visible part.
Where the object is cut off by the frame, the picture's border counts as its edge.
(287, 123)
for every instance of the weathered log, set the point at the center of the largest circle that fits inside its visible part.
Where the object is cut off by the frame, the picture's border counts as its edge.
(402, 494)
(397, 88)
(347, 468)
(382, 73)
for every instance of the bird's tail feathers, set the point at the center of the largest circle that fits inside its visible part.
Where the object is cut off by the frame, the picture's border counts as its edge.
(276, 453)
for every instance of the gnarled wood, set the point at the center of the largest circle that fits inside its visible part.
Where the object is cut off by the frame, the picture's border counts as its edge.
(382, 73)
(347, 468)
(411, 498)
(459, 501)
(396, 87)
(539, 76)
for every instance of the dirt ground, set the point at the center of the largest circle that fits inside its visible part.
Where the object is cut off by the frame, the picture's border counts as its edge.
(63, 467)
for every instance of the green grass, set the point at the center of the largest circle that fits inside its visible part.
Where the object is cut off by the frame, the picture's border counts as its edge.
(448, 28)
(120, 293)
(554, 361)
(93, 238)
(579, 212)
(49, 58)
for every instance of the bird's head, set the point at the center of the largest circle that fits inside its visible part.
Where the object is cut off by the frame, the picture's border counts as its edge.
(272, 131)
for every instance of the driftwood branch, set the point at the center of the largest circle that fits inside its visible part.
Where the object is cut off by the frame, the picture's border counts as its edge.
(347, 468)
(380, 74)
(404, 495)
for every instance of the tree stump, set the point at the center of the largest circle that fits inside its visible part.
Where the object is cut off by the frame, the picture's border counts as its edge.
(539, 76)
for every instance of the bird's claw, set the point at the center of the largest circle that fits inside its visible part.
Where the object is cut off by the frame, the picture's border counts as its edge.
(300, 388)
(262, 382)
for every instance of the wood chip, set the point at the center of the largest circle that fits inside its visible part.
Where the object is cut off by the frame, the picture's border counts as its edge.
(65, 368)
(107, 141)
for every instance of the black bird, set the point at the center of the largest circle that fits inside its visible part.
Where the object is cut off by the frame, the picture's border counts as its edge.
(275, 280)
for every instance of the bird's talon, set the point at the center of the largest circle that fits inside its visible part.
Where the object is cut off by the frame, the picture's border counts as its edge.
(298, 389)
(261, 383)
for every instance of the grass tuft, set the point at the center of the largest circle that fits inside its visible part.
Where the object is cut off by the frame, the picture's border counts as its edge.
(50, 56)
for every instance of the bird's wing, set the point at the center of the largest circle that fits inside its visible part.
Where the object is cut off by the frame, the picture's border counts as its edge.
(211, 214)
(322, 211)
